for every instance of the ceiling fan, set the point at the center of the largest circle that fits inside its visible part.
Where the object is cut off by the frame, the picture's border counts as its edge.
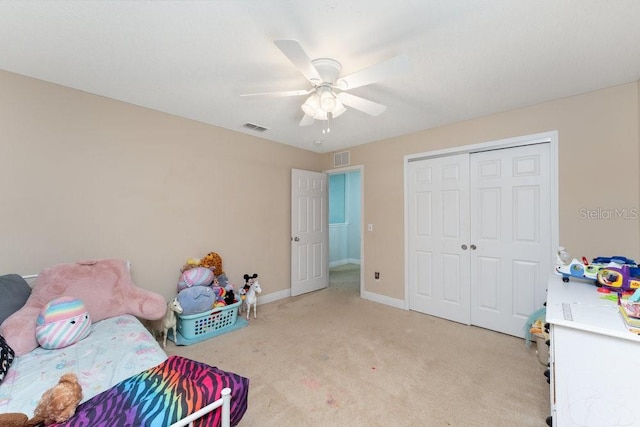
(328, 97)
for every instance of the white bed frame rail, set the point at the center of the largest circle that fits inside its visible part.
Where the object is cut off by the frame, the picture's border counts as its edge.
(224, 402)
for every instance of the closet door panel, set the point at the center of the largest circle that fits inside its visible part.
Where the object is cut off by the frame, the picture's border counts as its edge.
(510, 223)
(438, 223)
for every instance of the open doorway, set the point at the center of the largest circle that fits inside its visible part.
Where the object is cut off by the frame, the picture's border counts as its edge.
(345, 229)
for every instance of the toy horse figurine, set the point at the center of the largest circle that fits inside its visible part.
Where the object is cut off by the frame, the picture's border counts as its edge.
(171, 321)
(252, 298)
(248, 293)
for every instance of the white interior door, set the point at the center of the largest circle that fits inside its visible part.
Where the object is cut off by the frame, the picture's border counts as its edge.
(439, 235)
(510, 235)
(309, 232)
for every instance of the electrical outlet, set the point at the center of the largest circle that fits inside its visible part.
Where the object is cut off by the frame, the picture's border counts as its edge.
(377, 275)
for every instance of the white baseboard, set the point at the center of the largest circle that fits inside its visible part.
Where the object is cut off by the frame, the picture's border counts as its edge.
(274, 296)
(393, 302)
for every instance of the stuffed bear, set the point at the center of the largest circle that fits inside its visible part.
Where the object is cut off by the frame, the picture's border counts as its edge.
(59, 403)
(212, 259)
(13, 419)
(105, 286)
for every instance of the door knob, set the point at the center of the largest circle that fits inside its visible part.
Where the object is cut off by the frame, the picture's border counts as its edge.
(473, 247)
(296, 239)
(464, 247)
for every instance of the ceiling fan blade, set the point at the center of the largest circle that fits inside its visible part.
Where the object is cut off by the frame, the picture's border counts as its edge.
(393, 67)
(306, 120)
(280, 93)
(364, 105)
(299, 58)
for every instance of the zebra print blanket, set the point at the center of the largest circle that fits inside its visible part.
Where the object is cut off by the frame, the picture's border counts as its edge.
(163, 395)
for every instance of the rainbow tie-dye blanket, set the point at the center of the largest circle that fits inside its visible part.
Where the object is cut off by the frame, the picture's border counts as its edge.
(163, 395)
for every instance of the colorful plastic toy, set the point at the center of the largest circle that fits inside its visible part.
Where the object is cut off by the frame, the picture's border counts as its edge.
(619, 278)
(579, 270)
(618, 259)
(589, 270)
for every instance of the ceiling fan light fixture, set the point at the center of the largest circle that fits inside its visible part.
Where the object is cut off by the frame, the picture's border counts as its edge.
(320, 114)
(338, 109)
(327, 100)
(312, 105)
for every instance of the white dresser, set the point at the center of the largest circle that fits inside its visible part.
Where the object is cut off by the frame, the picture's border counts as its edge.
(595, 360)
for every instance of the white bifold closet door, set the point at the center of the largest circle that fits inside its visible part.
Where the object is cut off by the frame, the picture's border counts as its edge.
(479, 236)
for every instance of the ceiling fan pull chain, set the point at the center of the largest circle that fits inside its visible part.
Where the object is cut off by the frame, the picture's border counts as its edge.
(326, 128)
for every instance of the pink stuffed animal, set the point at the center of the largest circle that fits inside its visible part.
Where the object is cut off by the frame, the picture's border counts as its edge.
(105, 286)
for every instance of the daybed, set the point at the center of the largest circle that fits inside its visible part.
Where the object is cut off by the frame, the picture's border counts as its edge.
(126, 377)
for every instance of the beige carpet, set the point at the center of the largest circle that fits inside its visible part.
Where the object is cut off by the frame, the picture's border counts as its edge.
(330, 358)
(345, 276)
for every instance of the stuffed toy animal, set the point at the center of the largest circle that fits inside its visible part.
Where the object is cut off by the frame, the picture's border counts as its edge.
(191, 263)
(248, 281)
(212, 259)
(230, 296)
(196, 299)
(59, 403)
(13, 419)
(198, 276)
(62, 322)
(223, 281)
(105, 286)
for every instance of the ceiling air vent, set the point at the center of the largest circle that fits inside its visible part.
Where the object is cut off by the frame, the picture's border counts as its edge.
(341, 159)
(255, 127)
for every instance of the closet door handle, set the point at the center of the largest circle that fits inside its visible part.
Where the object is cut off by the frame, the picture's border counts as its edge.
(473, 247)
(464, 247)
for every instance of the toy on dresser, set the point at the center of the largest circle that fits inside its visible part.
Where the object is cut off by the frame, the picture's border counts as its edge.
(572, 268)
(568, 267)
(619, 278)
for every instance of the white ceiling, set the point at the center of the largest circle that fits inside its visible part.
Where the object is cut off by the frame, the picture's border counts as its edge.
(468, 58)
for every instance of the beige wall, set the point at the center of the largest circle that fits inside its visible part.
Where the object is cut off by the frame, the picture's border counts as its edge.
(598, 168)
(82, 176)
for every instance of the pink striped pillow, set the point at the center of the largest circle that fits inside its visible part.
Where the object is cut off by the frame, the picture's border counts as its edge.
(62, 322)
(198, 276)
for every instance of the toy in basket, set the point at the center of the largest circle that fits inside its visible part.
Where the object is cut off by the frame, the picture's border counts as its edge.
(208, 302)
(193, 328)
